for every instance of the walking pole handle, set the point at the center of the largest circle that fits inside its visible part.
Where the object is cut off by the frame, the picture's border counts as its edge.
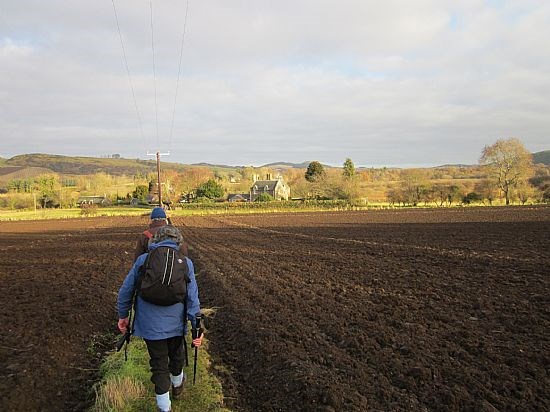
(196, 330)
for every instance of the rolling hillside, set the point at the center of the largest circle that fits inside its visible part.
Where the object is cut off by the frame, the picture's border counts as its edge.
(89, 165)
(8, 173)
(542, 157)
(117, 167)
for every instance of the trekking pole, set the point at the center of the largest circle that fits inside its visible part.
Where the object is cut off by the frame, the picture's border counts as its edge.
(125, 339)
(196, 331)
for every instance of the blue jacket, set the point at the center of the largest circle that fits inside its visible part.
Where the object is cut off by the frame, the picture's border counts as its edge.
(154, 322)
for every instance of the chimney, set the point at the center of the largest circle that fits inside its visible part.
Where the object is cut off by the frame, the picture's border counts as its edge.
(268, 176)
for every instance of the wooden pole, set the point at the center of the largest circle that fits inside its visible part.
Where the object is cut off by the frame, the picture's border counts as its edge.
(158, 179)
(158, 155)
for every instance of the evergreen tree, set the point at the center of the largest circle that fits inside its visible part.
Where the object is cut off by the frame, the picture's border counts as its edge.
(141, 192)
(349, 168)
(210, 189)
(315, 171)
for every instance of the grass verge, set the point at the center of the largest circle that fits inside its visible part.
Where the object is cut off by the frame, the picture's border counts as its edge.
(214, 209)
(71, 213)
(126, 386)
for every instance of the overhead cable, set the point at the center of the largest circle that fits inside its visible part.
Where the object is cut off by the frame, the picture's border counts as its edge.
(128, 72)
(179, 72)
(154, 73)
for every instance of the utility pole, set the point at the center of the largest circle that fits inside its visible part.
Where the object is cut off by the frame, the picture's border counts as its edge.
(158, 155)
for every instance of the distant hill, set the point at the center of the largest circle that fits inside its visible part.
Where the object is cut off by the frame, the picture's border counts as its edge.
(213, 166)
(287, 165)
(542, 157)
(89, 165)
(73, 165)
(274, 165)
(9, 173)
(69, 165)
(453, 165)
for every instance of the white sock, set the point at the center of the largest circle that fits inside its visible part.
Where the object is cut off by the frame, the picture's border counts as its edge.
(177, 380)
(163, 401)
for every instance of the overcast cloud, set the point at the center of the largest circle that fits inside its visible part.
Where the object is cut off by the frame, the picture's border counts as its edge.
(395, 83)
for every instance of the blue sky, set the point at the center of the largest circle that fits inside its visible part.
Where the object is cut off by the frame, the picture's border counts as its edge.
(394, 83)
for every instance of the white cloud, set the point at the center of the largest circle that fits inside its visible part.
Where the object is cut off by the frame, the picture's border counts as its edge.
(413, 82)
(10, 50)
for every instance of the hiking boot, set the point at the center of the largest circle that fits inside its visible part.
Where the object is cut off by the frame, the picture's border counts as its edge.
(177, 391)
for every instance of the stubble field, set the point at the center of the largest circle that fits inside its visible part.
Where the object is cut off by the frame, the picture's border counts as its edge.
(387, 310)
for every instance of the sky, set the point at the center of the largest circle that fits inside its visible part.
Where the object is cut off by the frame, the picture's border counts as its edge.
(397, 83)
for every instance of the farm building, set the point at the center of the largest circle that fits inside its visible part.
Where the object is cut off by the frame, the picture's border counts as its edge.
(93, 200)
(276, 188)
(238, 197)
(152, 198)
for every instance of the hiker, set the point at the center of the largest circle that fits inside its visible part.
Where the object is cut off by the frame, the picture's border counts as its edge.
(158, 219)
(162, 327)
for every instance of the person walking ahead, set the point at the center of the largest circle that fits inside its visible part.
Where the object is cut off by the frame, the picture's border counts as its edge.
(162, 327)
(158, 220)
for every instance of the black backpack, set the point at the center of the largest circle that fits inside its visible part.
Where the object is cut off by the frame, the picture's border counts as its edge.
(164, 277)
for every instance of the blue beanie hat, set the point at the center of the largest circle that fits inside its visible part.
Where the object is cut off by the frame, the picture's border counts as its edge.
(158, 213)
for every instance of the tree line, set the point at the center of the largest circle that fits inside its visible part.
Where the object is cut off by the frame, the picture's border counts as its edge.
(505, 171)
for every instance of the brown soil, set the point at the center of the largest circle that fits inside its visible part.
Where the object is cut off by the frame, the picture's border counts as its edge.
(59, 281)
(389, 310)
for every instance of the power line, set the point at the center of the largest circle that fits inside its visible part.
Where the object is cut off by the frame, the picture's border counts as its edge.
(154, 72)
(176, 94)
(179, 72)
(128, 72)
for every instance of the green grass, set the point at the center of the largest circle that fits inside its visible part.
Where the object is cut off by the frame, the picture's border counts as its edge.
(126, 386)
(191, 209)
(211, 209)
(71, 213)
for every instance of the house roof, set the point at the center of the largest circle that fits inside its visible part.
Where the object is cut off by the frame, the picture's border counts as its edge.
(92, 197)
(236, 196)
(263, 183)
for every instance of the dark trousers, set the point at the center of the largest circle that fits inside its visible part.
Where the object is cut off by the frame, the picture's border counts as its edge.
(166, 357)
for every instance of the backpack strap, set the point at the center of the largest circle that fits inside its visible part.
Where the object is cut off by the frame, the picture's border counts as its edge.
(187, 280)
(185, 324)
(141, 271)
(185, 351)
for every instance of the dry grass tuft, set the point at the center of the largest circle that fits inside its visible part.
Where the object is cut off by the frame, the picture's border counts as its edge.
(209, 312)
(117, 392)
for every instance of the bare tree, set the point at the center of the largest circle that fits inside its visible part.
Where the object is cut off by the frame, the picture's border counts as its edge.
(413, 185)
(189, 180)
(509, 163)
(487, 189)
(524, 191)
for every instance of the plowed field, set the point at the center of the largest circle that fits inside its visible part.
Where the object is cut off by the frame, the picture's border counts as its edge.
(386, 310)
